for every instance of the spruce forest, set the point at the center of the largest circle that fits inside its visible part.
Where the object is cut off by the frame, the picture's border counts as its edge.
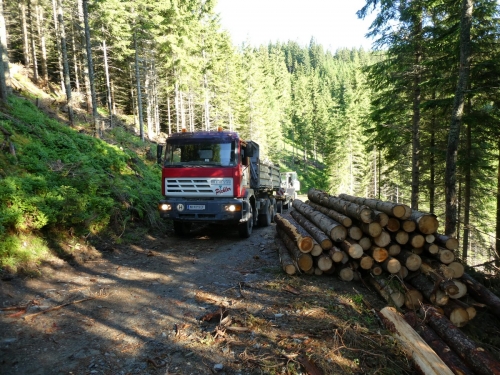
(414, 120)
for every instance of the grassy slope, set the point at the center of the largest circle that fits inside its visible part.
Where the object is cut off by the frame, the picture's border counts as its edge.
(63, 183)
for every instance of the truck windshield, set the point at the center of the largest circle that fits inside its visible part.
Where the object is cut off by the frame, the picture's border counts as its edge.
(199, 153)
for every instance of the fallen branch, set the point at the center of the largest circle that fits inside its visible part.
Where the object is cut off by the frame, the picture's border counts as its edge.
(58, 307)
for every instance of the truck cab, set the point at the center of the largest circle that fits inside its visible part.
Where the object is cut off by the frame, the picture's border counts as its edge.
(213, 177)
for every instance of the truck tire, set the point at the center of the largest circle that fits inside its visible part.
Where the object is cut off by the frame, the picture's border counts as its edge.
(265, 218)
(279, 207)
(182, 229)
(245, 229)
(273, 202)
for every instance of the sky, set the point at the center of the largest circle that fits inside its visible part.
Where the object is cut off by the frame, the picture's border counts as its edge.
(332, 23)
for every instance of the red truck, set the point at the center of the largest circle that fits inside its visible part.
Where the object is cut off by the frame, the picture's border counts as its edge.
(216, 177)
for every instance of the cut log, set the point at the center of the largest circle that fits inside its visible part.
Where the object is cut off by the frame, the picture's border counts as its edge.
(413, 298)
(471, 310)
(429, 238)
(458, 269)
(310, 271)
(393, 249)
(383, 239)
(318, 271)
(353, 210)
(415, 347)
(401, 237)
(381, 217)
(410, 260)
(480, 293)
(426, 223)
(373, 229)
(392, 296)
(417, 250)
(403, 273)
(462, 289)
(346, 221)
(345, 273)
(445, 256)
(416, 240)
(391, 265)
(444, 352)
(379, 254)
(336, 254)
(323, 240)
(376, 270)
(354, 232)
(409, 226)
(324, 262)
(366, 262)
(431, 248)
(304, 261)
(477, 358)
(445, 285)
(428, 288)
(352, 248)
(317, 249)
(333, 229)
(392, 209)
(299, 236)
(447, 242)
(286, 261)
(365, 243)
(393, 225)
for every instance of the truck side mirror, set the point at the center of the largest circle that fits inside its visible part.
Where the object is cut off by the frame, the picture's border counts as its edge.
(159, 151)
(249, 150)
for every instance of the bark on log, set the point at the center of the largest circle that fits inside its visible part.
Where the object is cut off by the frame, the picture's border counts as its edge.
(457, 314)
(333, 229)
(401, 237)
(424, 357)
(346, 221)
(352, 248)
(417, 250)
(426, 223)
(286, 261)
(304, 242)
(444, 352)
(478, 359)
(428, 288)
(304, 261)
(381, 217)
(379, 254)
(392, 296)
(393, 225)
(410, 260)
(445, 285)
(354, 232)
(391, 265)
(392, 209)
(480, 293)
(323, 240)
(446, 241)
(353, 210)
(336, 254)
(383, 239)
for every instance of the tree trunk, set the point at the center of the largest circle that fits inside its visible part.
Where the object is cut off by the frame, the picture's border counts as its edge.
(353, 210)
(295, 232)
(286, 261)
(448, 242)
(41, 37)
(24, 30)
(33, 45)
(426, 223)
(497, 230)
(478, 359)
(64, 53)
(467, 192)
(314, 231)
(90, 66)
(342, 219)
(424, 357)
(84, 58)
(4, 59)
(444, 352)
(304, 261)
(456, 118)
(76, 64)
(108, 82)
(139, 93)
(393, 297)
(58, 43)
(410, 260)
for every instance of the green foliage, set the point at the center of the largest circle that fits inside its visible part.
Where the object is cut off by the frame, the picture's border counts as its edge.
(67, 181)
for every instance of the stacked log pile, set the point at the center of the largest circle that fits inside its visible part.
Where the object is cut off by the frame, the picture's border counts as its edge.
(396, 249)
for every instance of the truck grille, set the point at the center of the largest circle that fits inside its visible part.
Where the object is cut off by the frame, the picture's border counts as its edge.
(199, 187)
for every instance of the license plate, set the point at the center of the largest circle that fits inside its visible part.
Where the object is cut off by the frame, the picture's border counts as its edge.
(196, 207)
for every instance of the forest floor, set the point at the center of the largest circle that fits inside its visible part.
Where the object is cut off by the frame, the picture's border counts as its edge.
(208, 303)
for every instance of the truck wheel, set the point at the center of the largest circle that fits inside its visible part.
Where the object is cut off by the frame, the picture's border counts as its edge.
(182, 229)
(245, 229)
(279, 207)
(265, 219)
(273, 202)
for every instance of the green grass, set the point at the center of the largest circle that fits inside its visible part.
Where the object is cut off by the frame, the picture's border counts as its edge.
(66, 181)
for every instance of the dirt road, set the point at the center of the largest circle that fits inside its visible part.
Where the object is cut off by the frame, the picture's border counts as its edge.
(154, 308)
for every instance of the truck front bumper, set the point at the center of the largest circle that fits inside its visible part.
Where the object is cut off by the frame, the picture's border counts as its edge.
(220, 210)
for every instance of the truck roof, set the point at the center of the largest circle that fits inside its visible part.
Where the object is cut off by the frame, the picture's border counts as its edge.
(224, 136)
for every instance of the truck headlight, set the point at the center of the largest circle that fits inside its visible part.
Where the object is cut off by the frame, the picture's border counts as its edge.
(232, 207)
(165, 207)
